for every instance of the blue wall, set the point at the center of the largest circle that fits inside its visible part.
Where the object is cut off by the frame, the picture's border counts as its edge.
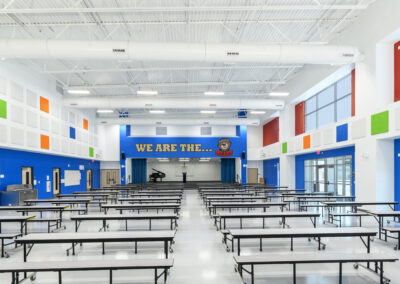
(271, 168)
(209, 147)
(11, 162)
(397, 171)
(323, 154)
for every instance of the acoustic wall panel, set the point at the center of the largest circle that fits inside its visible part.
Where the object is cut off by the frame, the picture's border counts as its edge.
(64, 146)
(17, 136)
(44, 123)
(72, 148)
(31, 119)
(299, 144)
(85, 137)
(16, 92)
(380, 123)
(31, 99)
(72, 118)
(96, 142)
(44, 105)
(4, 133)
(44, 142)
(55, 144)
(55, 110)
(290, 146)
(91, 152)
(327, 136)
(3, 86)
(17, 114)
(271, 132)
(306, 142)
(316, 139)
(32, 139)
(64, 130)
(91, 140)
(342, 133)
(72, 133)
(86, 124)
(55, 127)
(397, 118)
(64, 114)
(359, 128)
(3, 109)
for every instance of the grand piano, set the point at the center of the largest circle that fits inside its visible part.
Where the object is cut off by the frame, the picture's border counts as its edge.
(156, 175)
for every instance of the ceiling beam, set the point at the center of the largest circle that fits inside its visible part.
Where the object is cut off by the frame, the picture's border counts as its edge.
(163, 9)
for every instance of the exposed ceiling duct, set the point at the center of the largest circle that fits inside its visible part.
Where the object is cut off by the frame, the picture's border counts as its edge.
(178, 121)
(167, 51)
(114, 102)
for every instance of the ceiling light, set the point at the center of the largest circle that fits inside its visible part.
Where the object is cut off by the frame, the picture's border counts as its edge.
(208, 111)
(147, 93)
(163, 160)
(105, 111)
(257, 112)
(184, 159)
(79, 92)
(157, 111)
(214, 93)
(279, 94)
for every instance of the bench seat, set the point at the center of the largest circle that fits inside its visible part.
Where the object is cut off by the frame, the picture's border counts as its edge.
(337, 216)
(57, 223)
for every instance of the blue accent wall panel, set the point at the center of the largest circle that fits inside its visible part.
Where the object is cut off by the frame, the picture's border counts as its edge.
(342, 133)
(397, 172)
(271, 171)
(72, 133)
(299, 163)
(139, 171)
(11, 162)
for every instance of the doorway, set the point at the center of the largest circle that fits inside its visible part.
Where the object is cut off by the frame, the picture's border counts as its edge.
(56, 181)
(109, 178)
(27, 175)
(89, 180)
(252, 175)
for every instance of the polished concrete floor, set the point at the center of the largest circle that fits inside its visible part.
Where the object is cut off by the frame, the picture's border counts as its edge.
(200, 257)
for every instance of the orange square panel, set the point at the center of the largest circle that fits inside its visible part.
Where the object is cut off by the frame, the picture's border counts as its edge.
(45, 142)
(44, 104)
(306, 142)
(85, 124)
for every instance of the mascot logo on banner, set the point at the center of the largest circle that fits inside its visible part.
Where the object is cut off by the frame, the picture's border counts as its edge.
(224, 145)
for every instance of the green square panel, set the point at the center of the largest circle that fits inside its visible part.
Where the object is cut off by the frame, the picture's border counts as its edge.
(3, 109)
(91, 152)
(284, 147)
(380, 123)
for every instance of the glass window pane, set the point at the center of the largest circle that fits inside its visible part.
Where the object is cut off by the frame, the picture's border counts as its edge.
(343, 87)
(326, 115)
(311, 104)
(343, 108)
(311, 121)
(326, 96)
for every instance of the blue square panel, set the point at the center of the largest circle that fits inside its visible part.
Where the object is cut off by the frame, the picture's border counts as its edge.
(342, 133)
(72, 133)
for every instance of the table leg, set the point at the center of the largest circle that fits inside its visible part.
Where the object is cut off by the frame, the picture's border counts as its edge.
(238, 246)
(340, 273)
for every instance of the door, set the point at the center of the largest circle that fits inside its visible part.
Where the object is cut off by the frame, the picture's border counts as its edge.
(89, 180)
(27, 175)
(109, 178)
(325, 178)
(321, 177)
(252, 175)
(56, 181)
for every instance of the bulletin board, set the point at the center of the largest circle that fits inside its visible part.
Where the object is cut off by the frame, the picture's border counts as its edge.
(72, 178)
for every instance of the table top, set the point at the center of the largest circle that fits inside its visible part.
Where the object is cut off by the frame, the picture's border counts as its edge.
(34, 208)
(16, 218)
(247, 204)
(268, 214)
(133, 206)
(123, 216)
(360, 203)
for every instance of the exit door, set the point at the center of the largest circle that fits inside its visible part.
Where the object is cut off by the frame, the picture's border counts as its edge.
(109, 178)
(325, 180)
(252, 175)
(27, 175)
(56, 181)
(89, 180)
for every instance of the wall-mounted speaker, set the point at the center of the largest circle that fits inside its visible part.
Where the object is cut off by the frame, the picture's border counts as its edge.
(122, 156)
(243, 155)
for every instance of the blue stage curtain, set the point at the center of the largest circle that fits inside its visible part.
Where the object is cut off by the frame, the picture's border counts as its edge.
(228, 170)
(139, 170)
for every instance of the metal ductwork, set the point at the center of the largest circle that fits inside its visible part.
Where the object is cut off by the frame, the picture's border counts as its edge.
(178, 121)
(111, 102)
(167, 51)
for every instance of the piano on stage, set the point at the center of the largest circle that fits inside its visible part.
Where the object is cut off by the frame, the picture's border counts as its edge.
(156, 175)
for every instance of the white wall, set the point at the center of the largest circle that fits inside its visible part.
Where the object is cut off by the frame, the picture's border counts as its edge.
(196, 171)
(254, 136)
(182, 131)
(22, 88)
(109, 142)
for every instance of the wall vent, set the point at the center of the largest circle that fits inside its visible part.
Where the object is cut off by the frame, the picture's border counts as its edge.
(205, 131)
(161, 130)
(232, 53)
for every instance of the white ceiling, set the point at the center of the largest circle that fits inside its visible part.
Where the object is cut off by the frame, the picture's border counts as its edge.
(213, 21)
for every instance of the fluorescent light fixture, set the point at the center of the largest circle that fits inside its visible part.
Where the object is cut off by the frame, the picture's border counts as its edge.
(214, 93)
(163, 160)
(105, 111)
(147, 93)
(79, 92)
(204, 159)
(157, 111)
(184, 159)
(257, 112)
(207, 111)
(278, 94)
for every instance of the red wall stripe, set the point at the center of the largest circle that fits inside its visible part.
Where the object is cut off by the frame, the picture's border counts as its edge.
(300, 112)
(353, 92)
(271, 132)
(397, 72)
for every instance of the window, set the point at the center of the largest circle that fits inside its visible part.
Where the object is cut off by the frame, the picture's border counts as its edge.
(331, 105)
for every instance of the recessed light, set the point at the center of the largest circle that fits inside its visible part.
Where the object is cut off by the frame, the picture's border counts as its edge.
(278, 94)
(157, 111)
(105, 111)
(79, 92)
(257, 112)
(214, 93)
(147, 93)
(208, 111)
